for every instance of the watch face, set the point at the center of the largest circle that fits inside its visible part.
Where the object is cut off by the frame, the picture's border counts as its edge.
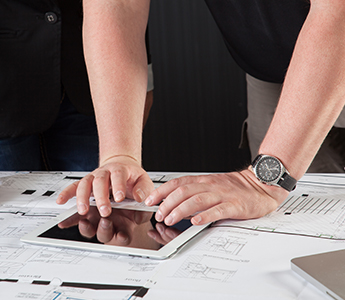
(268, 169)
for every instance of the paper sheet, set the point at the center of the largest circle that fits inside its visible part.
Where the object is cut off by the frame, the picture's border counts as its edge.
(316, 208)
(10, 291)
(246, 264)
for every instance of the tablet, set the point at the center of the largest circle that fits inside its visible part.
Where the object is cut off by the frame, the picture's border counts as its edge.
(128, 230)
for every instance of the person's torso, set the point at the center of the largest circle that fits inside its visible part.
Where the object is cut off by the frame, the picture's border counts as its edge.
(40, 51)
(261, 34)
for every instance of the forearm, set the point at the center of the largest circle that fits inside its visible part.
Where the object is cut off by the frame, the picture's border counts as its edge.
(114, 46)
(314, 89)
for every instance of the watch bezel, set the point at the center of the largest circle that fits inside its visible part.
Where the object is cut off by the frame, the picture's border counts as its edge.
(256, 164)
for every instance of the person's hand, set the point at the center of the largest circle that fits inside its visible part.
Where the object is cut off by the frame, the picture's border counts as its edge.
(208, 198)
(121, 175)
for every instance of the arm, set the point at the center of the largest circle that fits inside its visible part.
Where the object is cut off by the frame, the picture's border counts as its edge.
(114, 45)
(312, 98)
(314, 89)
(115, 54)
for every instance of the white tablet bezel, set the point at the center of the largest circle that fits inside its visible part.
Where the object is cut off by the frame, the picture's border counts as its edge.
(162, 253)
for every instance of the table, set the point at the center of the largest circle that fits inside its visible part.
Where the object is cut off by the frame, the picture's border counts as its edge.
(230, 260)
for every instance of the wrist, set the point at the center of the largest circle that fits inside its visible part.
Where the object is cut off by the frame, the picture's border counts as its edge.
(271, 171)
(119, 157)
(277, 193)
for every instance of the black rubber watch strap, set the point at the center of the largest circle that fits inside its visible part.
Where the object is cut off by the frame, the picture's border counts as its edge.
(287, 182)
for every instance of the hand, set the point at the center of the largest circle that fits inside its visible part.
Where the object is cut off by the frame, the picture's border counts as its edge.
(121, 175)
(208, 198)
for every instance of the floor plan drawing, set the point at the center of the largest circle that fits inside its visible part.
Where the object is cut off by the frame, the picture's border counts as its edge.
(196, 267)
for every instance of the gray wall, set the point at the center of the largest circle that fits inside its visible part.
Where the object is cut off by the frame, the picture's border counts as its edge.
(199, 96)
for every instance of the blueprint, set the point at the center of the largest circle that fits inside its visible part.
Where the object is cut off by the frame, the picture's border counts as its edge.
(227, 259)
(55, 292)
(27, 200)
(316, 208)
(221, 258)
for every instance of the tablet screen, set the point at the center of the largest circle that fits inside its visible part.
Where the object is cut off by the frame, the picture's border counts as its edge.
(124, 227)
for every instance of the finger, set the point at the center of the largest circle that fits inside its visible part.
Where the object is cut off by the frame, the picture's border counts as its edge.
(215, 213)
(162, 192)
(86, 229)
(83, 194)
(191, 206)
(142, 188)
(176, 198)
(118, 179)
(105, 230)
(167, 188)
(100, 186)
(67, 193)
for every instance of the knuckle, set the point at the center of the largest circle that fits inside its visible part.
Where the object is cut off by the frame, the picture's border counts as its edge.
(220, 211)
(86, 179)
(156, 194)
(198, 200)
(182, 190)
(100, 201)
(75, 184)
(162, 207)
(213, 180)
(117, 172)
(175, 182)
(177, 212)
(100, 178)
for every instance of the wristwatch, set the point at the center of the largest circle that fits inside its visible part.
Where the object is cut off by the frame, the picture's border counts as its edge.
(269, 169)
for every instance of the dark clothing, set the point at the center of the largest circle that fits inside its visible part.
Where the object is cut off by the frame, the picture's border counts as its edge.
(38, 52)
(70, 144)
(260, 34)
(41, 56)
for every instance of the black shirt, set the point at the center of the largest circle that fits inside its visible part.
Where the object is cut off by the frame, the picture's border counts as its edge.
(41, 55)
(37, 56)
(260, 34)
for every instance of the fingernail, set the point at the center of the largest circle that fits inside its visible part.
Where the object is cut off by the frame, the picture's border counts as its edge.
(119, 195)
(169, 220)
(104, 210)
(141, 194)
(197, 219)
(149, 201)
(82, 208)
(59, 199)
(159, 216)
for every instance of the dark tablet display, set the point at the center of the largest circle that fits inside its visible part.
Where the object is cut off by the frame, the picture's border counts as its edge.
(131, 231)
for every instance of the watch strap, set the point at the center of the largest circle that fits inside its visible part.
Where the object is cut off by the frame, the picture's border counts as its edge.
(287, 182)
(256, 159)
